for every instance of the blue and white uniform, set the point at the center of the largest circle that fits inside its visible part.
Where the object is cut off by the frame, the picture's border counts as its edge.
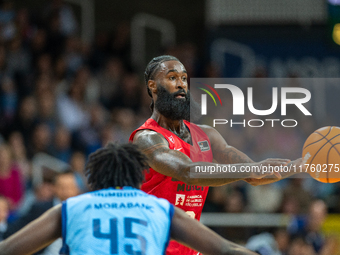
(116, 221)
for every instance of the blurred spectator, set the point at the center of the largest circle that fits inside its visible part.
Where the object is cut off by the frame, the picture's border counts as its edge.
(41, 140)
(4, 213)
(270, 244)
(100, 52)
(55, 39)
(47, 110)
(294, 193)
(67, 22)
(44, 85)
(309, 226)
(65, 186)
(11, 183)
(124, 118)
(108, 134)
(9, 100)
(282, 240)
(120, 45)
(73, 55)
(17, 146)
(18, 60)
(38, 44)
(299, 246)
(26, 118)
(3, 66)
(60, 71)
(88, 138)
(323, 191)
(7, 14)
(44, 191)
(71, 108)
(235, 203)
(109, 80)
(77, 163)
(23, 24)
(62, 144)
(264, 199)
(263, 244)
(91, 86)
(128, 94)
(216, 199)
(44, 65)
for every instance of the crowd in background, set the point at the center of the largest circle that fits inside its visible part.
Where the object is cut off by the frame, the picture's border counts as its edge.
(64, 98)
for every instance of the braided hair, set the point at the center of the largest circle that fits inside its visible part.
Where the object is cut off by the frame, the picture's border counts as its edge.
(116, 165)
(152, 68)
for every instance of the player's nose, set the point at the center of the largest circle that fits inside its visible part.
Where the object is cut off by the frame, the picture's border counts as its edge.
(181, 84)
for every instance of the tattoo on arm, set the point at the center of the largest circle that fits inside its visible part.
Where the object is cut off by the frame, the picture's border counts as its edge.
(163, 160)
(149, 142)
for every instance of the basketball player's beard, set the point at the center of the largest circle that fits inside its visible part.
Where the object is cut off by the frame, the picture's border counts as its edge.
(176, 108)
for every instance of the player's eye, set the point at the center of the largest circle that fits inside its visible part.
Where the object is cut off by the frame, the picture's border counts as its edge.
(184, 78)
(172, 78)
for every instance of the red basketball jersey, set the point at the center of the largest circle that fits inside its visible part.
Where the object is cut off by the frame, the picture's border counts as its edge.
(190, 198)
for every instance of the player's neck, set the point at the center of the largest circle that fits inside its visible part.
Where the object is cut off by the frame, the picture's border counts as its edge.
(175, 126)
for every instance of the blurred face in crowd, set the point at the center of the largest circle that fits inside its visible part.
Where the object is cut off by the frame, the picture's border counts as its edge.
(4, 209)
(44, 192)
(16, 142)
(114, 68)
(5, 160)
(66, 186)
(62, 138)
(41, 137)
(317, 215)
(39, 40)
(130, 84)
(282, 239)
(44, 64)
(28, 108)
(78, 162)
(125, 117)
(299, 247)
(46, 104)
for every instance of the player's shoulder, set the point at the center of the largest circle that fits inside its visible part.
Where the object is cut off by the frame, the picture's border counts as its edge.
(208, 129)
(145, 133)
(147, 137)
(214, 136)
(204, 127)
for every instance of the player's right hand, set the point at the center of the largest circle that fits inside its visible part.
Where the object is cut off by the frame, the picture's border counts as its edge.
(269, 167)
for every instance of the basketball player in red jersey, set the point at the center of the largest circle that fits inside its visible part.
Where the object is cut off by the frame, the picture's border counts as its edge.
(173, 145)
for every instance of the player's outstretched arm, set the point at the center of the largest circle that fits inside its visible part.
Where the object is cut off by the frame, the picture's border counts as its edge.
(195, 235)
(178, 165)
(295, 167)
(35, 236)
(226, 154)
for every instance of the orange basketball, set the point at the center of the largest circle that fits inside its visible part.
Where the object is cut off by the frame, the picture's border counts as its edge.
(322, 151)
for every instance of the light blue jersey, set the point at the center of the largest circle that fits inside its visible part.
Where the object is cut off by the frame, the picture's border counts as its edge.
(116, 221)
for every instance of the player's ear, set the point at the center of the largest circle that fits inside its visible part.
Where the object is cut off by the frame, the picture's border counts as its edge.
(152, 86)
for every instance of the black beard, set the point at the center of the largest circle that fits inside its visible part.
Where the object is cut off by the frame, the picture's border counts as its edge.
(175, 108)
